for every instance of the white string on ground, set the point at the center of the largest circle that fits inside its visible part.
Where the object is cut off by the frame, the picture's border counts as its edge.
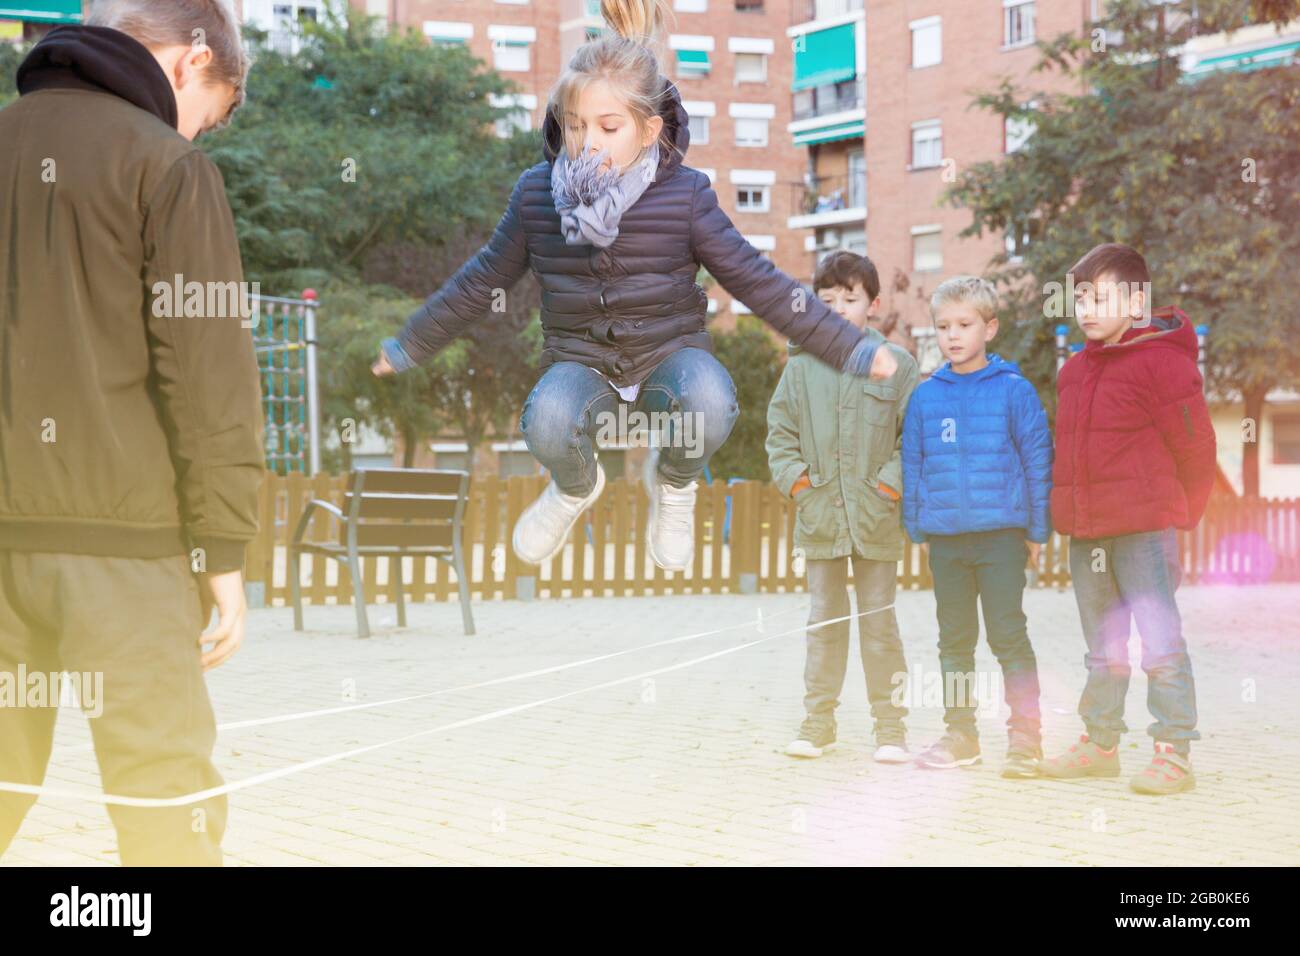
(247, 782)
(540, 672)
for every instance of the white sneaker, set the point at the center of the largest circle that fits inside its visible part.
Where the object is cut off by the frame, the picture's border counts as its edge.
(891, 753)
(670, 529)
(544, 526)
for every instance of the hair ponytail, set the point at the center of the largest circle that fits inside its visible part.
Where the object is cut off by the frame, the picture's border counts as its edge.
(641, 21)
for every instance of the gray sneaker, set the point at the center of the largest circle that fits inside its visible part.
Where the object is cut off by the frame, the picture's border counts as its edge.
(1023, 754)
(891, 743)
(952, 750)
(816, 736)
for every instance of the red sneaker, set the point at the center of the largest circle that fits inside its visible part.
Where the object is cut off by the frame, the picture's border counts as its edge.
(1084, 759)
(1168, 772)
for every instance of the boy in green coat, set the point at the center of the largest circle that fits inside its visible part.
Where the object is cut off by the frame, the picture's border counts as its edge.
(833, 442)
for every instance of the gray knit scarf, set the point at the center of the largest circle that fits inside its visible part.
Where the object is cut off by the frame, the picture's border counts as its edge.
(591, 202)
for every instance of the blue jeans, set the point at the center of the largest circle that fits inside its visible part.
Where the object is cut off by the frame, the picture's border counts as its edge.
(688, 398)
(984, 570)
(1117, 580)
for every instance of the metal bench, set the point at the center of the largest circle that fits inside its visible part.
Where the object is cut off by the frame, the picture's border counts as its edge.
(390, 512)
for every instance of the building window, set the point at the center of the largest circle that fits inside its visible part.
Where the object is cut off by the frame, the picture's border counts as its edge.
(751, 131)
(927, 144)
(857, 179)
(927, 249)
(699, 129)
(1286, 440)
(927, 42)
(1016, 132)
(1017, 23)
(692, 63)
(511, 56)
(286, 29)
(749, 6)
(751, 68)
(691, 6)
(1018, 236)
(753, 199)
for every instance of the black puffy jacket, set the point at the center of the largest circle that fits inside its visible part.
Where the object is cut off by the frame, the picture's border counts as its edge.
(624, 309)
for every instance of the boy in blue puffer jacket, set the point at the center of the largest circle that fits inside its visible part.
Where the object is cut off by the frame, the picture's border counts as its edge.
(977, 465)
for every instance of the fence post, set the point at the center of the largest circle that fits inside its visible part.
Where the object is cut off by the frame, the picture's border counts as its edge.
(313, 386)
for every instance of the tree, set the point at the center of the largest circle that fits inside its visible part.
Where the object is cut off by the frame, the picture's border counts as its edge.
(366, 165)
(754, 363)
(1202, 177)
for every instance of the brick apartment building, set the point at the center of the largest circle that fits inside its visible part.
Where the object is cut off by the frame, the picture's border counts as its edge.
(823, 124)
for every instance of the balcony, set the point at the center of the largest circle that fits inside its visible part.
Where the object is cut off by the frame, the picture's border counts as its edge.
(819, 101)
(828, 200)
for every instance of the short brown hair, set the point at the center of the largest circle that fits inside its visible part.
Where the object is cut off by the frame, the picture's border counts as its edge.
(176, 23)
(1114, 259)
(847, 269)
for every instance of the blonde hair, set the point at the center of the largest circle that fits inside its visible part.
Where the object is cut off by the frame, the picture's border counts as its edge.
(978, 292)
(182, 23)
(625, 60)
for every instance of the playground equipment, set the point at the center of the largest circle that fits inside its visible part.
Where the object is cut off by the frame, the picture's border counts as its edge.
(284, 336)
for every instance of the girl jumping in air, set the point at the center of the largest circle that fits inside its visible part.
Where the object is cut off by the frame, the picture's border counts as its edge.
(615, 229)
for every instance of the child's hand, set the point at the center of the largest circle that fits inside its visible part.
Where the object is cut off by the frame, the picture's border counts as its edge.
(381, 367)
(1035, 549)
(884, 364)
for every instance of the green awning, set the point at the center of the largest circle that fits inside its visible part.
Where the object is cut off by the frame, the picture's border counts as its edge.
(829, 134)
(825, 56)
(42, 11)
(693, 60)
(1279, 54)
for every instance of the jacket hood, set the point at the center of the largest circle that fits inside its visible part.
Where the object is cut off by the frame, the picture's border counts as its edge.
(101, 60)
(676, 130)
(997, 366)
(1170, 328)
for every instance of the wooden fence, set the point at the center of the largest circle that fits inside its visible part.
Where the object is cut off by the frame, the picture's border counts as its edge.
(1239, 541)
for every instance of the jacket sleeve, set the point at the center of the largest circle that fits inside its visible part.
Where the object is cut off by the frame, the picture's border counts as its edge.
(783, 303)
(1183, 419)
(908, 374)
(204, 368)
(467, 295)
(1033, 441)
(913, 457)
(783, 455)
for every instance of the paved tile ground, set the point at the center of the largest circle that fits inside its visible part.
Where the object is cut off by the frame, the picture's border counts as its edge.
(685, 767)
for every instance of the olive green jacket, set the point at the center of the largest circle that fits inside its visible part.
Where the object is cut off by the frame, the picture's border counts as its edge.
(846, 432)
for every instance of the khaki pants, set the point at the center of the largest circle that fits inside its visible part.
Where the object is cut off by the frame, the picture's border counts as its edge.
(136, 622)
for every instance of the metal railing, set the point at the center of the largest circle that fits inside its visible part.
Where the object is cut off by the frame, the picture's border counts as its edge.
(828, 194)
(824, 100)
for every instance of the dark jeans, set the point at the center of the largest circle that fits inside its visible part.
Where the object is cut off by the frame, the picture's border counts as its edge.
(571, 404)
(878, 641)
(984, 570)
(136, 622)
(1116, 581)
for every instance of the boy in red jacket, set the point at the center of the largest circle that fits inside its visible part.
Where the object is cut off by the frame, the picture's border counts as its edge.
(1135, 460)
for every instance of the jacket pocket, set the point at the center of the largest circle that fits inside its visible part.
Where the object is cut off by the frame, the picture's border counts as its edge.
(879, 402)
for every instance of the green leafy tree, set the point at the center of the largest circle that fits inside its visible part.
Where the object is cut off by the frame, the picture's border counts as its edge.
(753, 360)
(1202, 177)
(366, 165)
